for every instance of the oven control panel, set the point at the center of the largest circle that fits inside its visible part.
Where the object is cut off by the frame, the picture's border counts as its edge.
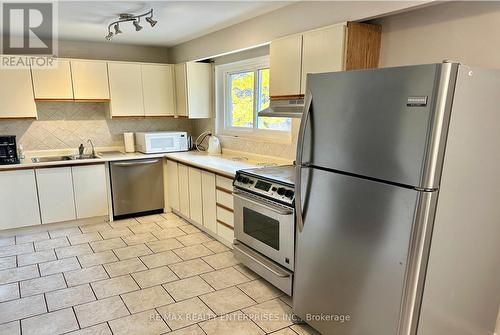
(271, 190)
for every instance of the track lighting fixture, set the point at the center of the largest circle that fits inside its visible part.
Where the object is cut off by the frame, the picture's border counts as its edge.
(136, 19)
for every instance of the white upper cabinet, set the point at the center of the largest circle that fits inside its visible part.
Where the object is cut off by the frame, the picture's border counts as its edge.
(16, 95)
(90, 80)
(158, 89)
(344, 46)
(19, 199)
(53, 84)
(194, 90)
(125, 86)
(285, 64)
(180, 89)
(322, 51)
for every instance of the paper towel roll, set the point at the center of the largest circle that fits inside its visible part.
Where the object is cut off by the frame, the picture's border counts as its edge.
(129, 142)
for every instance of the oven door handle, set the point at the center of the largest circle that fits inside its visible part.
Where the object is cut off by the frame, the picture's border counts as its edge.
(279, 210)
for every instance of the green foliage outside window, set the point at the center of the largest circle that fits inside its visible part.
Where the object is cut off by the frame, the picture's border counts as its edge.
(245, 87)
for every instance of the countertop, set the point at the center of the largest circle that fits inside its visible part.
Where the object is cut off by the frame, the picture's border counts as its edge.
(226, 164)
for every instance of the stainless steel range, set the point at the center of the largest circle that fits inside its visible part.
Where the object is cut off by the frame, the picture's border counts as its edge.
(264, 223)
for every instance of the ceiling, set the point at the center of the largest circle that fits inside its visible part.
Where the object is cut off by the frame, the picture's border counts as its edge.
(178, 21)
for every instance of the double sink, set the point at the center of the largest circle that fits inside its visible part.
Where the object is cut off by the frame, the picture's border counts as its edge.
(45, 159)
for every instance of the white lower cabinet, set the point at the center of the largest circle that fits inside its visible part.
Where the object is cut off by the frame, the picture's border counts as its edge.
(19, 199)
(203, 197)
(195, 196)
(209, 201)
(183, 190)
(172, 179)
(91, 196)
(55, 192)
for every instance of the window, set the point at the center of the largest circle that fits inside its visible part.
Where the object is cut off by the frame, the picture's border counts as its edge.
(243, 91)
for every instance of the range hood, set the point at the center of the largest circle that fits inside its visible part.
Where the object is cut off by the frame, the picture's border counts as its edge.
(284, 108)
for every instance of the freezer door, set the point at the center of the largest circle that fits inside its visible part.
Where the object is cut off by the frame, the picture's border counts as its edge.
(352, 255)
(388, 124)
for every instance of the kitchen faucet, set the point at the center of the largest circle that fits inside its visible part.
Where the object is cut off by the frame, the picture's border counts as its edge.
(93, 150)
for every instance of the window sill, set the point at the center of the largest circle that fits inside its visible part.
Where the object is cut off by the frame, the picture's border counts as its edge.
(283, 139)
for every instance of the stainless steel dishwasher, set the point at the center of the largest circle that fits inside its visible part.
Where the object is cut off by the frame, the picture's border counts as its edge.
(137, 187)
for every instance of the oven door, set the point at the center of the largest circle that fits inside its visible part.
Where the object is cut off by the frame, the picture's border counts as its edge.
(265, 227)
(156, 143)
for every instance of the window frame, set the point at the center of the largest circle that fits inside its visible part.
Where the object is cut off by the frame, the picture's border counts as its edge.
(223, 100)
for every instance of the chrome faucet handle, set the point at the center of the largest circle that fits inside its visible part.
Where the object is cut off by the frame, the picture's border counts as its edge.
(81, 149)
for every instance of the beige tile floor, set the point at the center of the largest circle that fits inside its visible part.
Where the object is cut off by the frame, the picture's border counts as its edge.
(152, 275)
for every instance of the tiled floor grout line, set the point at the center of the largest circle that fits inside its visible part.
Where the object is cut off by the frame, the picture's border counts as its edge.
(76, 318)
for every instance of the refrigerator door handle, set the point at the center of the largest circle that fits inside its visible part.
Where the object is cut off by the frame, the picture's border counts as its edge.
(302, 129)
(300, 163)
(298, 200)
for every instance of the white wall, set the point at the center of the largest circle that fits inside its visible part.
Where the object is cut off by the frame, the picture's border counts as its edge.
(298, 17)
(112, 51)
(468, 32)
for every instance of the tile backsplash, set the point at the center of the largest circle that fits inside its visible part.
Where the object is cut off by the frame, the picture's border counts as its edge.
(63, 125)
(252, 145)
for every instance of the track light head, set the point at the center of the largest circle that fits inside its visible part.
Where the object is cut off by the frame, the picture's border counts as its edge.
(109, 36)
(117, 29)
(151, 21)
(137, 26)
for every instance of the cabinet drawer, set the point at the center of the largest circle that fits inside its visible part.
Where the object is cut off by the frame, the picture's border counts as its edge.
(225, 216)
(225, 199)
(225, 232)
(224, 183)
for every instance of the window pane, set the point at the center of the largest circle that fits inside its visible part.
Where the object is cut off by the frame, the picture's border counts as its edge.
(270, 123)
(242, 99)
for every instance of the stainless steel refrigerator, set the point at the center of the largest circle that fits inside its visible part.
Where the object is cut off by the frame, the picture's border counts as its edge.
(398, 202)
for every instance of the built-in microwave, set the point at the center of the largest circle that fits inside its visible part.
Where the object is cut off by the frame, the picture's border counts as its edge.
(164, 141)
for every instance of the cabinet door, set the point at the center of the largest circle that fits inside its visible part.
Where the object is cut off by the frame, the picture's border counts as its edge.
(323, 51)
(55, 193)
(180, 90)
(19, 198)
(16, 95)
(158, 90)
(195, 196)
(183, 190)
(200, 83)
(91, 196)
(285, 57)
(125, 89)
(209, 200)
(173, 184)
(54, 83)
(90, 80)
